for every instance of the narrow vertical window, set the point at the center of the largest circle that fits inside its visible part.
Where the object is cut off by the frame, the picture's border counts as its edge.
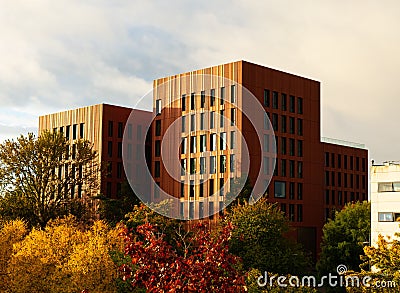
(266, 98)
(183, 102)
(158, 107)
(233, 94)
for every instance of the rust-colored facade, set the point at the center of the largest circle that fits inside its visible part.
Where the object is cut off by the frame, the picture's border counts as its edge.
(104, 126)
(300, 182)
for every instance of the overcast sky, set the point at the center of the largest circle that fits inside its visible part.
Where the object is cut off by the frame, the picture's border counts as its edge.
(58, 55)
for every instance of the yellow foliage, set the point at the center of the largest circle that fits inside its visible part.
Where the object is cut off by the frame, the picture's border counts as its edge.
(65, 258)
(11, 232)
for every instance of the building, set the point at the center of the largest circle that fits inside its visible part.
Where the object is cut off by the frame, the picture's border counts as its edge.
(104, 126)
(311, 178)
(385, 203)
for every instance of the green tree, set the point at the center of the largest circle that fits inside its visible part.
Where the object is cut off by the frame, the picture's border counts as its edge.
(343, 238)
(42, 175)
(259, 239)
(114, 210)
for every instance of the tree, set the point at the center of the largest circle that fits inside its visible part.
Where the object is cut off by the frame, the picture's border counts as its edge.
(343, 238)
(45, 173)
(205, 266)
(114, 210)
(64, 257)
(259, 239)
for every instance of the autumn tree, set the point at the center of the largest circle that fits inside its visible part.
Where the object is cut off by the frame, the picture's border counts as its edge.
(42, 175)
(343, 238)
(64, 257)
(259, 239)
(205, 266)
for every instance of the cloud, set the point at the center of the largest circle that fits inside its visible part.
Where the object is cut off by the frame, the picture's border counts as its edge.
(57, 55)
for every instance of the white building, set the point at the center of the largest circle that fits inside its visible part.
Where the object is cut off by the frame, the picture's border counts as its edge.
(385, 200)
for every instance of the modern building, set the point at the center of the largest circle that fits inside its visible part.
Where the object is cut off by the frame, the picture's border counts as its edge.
(385, 201)
(104, 126)
(311, 179)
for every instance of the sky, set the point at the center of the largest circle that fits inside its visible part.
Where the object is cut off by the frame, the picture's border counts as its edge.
(59, 55)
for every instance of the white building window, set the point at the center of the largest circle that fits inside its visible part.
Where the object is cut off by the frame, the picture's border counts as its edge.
(385, 217)
(158, 107)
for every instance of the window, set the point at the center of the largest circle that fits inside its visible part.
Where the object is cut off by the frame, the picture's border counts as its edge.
(266, 121)
(299, 148)
(333, 197)
(108, 189)
(333, 160)
(183, 123)
(357, 164)
(283, 124)
(222, 164)
(339, 161)
(280, 189)
(291, 169)
(339, 198)
(221, 186)
(192, 101)
(119, 149)
(283, 168)
(291, 190)
(351, 162)
(120, 129)
(283, 208)
(203, 143)
(202, 99)
(183, 102)
(211, 210)
(291, 146)
(266, 165)
(139, 132)
(275, 121)
(213, 165)
(385, 217)
(266, 98)
(299, 169)
(275, 100)
(109, 151)
(191, 188)
(388, 186)
(81, 130)
(232, 163)
(327, 197)
(221, 208)
(211, 187)
(339, 179)
(283, 102)
(61, 129)
(299, 126)
(222, 97)
(74, 131)
(183, 167)
(192, 122)
(212, 97)
(202, 165)
(232, 140)
(333, 178)
(266, 143)
(119, 170)
(192, 166)
(73, 151)
(326, 159)
(183, 146)
(299, 213)
(191, 210)
(201, 191)
(327, 178)
(283, 145)
(213, 142)
(291, 212)
(157, 167)
(158, 127)
(221, 118)
(201, 208)
(67, 131)
(193, 144)
(182, 188)
(212, 120)
(233, 116)
(233, 94)
(158, 107)
(291, 125)
(222, 141)
(291, 104)
(299, 105)
(202, 121)
(157, 148)
(299, 191)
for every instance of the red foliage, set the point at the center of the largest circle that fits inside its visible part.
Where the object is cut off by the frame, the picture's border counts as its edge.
(206, 266)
